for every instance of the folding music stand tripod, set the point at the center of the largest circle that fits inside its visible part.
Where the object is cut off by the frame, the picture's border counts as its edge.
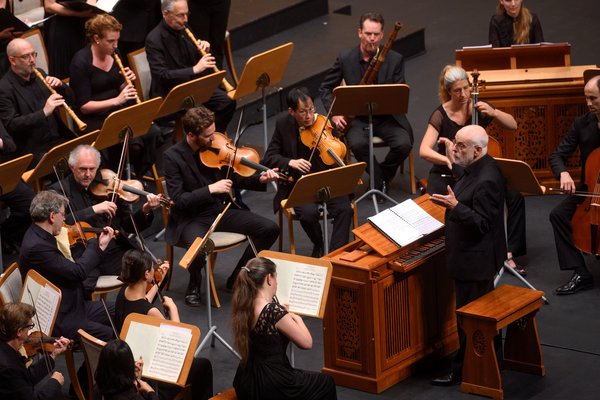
(263, 70)
(371, 100)
(323, 186)
(519, 178)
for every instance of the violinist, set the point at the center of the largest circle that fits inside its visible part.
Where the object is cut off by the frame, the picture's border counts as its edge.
(287, 152)
(18, 382)
(137, 272)
(585, 136)
(39, 251)
(198, 192)
(394, 130)
(84, 162)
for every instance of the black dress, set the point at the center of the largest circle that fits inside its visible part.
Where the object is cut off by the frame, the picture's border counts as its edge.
(64, 36)
(268, 373)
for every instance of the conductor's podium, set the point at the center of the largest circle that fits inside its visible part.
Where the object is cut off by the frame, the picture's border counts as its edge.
(508, 307)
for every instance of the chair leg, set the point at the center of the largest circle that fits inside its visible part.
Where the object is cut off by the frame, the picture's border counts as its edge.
(280, 221)
(290, 220)
(73, 374)
(212, 259)
(411, 171)
(170, 261)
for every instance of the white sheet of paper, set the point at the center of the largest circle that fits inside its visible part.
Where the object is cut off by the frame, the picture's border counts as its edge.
(308, 284)
(410, 211)
(45, 308)
(170, 352)
(394, 227)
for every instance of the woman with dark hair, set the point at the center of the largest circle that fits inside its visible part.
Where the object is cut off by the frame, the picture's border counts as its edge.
(262, 329)
(118, 377)
(137, 272)
(513, 23)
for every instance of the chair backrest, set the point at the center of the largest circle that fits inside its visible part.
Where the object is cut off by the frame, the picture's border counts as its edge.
(141, 69)
(28, 10)
(11, 285)
(34, 36)
(91, 350)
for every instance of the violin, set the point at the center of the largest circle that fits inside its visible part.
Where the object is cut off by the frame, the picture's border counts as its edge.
(320, 134)
(128, 190)
(222, 152)
(39, 342)
(158, 276)
(82, 232)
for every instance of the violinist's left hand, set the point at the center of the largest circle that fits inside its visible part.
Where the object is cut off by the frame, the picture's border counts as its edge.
(60, 346)
(269, 176)
(152, 201)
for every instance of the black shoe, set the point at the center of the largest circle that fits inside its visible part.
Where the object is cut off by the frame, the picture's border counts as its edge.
(192, 298)
(575, 284)
(317, 251)
(447, 380)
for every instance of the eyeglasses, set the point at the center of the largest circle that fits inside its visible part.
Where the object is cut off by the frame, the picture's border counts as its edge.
(28, 327)
(307, 112)
(461, 145)
(27, 56)
(182, 15)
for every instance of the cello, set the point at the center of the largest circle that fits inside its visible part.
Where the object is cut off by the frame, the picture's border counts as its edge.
(586, 220)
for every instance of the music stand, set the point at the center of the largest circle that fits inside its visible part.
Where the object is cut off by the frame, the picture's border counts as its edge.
(262, 70)
(370, 100)
(10, 175)
(323, 186)
(187, 95)
(519, 178)
(53, 157)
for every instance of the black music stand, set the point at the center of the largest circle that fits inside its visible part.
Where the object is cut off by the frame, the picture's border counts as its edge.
(263, 70)
(323, 186)
(10, 175)
(370, 100)
(519, 178)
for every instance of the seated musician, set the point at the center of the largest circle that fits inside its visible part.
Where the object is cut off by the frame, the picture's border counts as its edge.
(100, 89)
(454, 113)
(27, 109)
(137, 273)
(174, 59)
(199, 192)
(39, 251)
(287, 152)
(17, 381)
(394, 130)
(513, 23)
(585, 137)
(98, 212)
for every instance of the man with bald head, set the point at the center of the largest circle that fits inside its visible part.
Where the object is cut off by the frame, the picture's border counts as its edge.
(585, 136)
(475, 239)
(27, 108)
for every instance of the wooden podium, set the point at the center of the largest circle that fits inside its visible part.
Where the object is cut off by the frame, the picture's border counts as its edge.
(387, 309)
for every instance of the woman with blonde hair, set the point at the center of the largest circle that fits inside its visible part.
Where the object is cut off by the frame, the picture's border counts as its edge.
(262, 329)
(513, 23)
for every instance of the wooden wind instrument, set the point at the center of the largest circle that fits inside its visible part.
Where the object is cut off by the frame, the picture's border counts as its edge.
(122, 69)
(80, 124)
(228, 87)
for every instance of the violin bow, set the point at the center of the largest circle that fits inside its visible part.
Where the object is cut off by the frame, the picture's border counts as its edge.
(112, 325)
(75, 219)
(39, 326)
(122, 159)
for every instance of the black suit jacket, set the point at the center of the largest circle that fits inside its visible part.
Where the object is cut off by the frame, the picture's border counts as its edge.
(138, 18)
(25, 120)
(17, 382)
(347, 68)
(475, 239)
(187, 185)
(39, 252)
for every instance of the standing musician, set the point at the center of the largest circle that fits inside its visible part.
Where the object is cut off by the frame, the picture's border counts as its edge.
(395, 130)
(18, 382)
(39, 251)
(174, 59)
(585, 137)
(198, 192)
(101, 88)
(286, 151)
(27, 109)
(137, 273)
(84, 162)
(138, 18)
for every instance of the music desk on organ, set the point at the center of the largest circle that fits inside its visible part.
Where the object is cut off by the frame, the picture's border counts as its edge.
(388, 307)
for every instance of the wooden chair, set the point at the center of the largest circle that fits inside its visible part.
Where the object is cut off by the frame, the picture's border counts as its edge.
(229, 394)
(229, 58)
(141, 69)
(223, 241)
(91, 347)
(35, 38)
(378, 142)
(11, 285)
(291, 216)
(30, 10)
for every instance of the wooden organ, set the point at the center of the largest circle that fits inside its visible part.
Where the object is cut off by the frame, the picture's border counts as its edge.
(387, 308)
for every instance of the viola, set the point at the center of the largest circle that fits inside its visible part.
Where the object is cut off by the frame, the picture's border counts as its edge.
(39, 342)
(82, 232)
(320, 134)
(222, 153)
(128, 190)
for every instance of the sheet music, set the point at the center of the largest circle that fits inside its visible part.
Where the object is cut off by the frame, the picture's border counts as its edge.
(417, 217)
(142, 339)
(307, 289)
(106, 5)
(45, 308)
(170, 351)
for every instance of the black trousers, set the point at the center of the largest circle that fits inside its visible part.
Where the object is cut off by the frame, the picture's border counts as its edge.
(341, 211)
(208, 21)
(18, 201)
(394, 136)
(569, 256)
